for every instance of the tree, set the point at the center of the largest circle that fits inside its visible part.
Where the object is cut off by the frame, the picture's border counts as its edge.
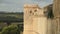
(12, 29)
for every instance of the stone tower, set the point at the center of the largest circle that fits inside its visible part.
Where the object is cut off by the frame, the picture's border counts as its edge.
(35, 22)
(56, 11)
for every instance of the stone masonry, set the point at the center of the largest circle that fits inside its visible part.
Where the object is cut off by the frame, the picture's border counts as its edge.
(35, 21)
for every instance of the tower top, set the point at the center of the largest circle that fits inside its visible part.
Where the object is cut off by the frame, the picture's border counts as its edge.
(31, 6)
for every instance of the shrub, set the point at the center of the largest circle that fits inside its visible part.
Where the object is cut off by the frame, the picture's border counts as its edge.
(12, 29)
(0, 33)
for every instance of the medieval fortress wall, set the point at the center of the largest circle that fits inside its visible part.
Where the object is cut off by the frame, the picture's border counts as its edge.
(35, 21)
(56, 12)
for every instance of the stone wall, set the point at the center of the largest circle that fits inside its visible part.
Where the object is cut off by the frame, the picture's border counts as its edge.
(56, 8)
(56, 11)
(35, 22)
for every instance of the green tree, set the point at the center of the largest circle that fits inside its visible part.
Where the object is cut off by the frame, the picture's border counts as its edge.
(12, 29)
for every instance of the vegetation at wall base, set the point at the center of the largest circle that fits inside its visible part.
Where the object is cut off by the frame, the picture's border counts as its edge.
(12, 29)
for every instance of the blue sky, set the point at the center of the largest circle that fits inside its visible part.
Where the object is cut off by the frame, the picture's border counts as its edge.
(17, 5)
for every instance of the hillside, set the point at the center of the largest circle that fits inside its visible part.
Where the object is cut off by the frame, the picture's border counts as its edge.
(11, 16)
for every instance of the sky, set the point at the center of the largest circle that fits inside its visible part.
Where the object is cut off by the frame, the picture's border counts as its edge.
(17, 5)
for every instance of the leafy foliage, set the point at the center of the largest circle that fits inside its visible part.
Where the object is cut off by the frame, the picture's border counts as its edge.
(12, 29)
(50, 14)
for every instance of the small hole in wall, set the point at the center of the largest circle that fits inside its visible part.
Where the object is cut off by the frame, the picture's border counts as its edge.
(30, 11)
(35, 10)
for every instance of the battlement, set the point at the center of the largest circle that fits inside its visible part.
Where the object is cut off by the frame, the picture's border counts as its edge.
(31, 6)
